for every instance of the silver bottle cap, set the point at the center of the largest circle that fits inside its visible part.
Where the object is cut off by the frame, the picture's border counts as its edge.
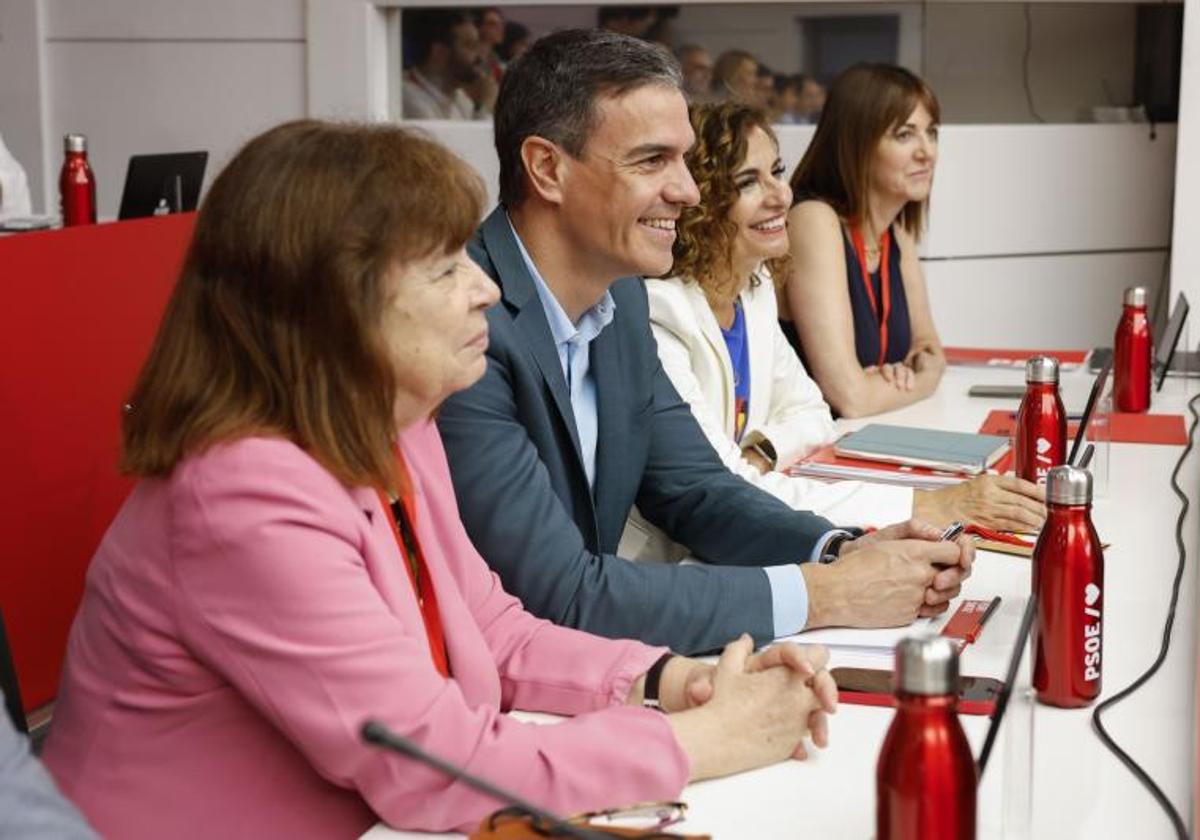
(1069, 486)
(74, 143)
(926, 665)
(1135, 296)
(1042, 369)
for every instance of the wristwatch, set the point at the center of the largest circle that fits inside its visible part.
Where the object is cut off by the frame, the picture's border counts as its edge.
(764, 448)
(653, 677)
(833, 546)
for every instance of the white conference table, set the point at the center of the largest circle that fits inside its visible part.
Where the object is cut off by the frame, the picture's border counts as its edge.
(1049, 775)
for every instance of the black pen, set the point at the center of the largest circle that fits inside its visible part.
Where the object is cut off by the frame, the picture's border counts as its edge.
(974, 634)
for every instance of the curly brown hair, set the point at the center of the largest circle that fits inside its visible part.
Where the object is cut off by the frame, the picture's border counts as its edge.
(705, 234)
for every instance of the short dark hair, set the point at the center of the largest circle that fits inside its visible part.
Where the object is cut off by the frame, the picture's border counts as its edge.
(422, 28)
(551, 92)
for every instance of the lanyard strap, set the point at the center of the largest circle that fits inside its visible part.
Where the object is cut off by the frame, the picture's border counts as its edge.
(884, 283)
(403, 515)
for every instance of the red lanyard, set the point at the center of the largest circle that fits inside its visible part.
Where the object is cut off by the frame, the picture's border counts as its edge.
(884, 272)
(403, 529)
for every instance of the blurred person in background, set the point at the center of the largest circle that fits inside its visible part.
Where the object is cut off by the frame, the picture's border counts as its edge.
(515, 43)
(636, 21)
(697, 67)
(448, 78)
(735, 78)
(765, 82)
(812, 98)
(490, 23)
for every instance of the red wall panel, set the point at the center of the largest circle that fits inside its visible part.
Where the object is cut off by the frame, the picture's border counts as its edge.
(79, 311)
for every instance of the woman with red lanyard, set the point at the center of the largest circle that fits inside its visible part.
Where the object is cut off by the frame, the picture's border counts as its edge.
(291, 562)
(855, 304)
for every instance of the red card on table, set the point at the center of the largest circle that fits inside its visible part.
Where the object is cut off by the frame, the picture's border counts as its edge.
(1166, 429)
(1004, 357)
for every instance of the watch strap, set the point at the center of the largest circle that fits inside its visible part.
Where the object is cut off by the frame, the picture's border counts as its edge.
(650, 697)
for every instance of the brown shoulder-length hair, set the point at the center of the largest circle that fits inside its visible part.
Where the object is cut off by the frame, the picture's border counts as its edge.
(703, 248)
(274, 323)
(865, 102)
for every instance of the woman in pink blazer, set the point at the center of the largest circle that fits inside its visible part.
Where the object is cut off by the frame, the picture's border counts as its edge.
(292, 563)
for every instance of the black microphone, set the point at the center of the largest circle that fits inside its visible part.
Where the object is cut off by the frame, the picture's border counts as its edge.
(374, 732)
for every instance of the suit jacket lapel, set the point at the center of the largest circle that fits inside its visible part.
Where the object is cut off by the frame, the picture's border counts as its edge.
(519, 294)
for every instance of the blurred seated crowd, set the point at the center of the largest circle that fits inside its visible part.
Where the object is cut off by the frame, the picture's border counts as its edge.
(455, 59)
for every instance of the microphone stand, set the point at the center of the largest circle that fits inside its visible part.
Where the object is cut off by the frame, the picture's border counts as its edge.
(374, 732)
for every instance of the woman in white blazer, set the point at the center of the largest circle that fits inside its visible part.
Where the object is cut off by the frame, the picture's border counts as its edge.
(716, 327)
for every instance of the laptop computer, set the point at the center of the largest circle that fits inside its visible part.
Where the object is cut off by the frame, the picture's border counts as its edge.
(156, 185)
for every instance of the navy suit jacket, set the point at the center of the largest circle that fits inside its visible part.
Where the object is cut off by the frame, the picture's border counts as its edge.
(524, 496)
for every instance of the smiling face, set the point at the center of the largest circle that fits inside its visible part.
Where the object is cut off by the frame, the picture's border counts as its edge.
(760, 211)
(622, 196)
(903, 163)
(434, 328)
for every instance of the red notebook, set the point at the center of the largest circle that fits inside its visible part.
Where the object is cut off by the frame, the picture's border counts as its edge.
(1166, 429)
(1005, 357)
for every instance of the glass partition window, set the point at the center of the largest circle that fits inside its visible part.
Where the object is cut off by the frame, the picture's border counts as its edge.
(988, 62)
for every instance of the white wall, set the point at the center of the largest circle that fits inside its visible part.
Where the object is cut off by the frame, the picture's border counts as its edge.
(140, 76)
(1081, 54)
(1185, 263)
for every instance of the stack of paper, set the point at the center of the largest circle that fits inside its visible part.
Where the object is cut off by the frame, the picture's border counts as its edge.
(925, 459)
(826, 464)
(876, 641)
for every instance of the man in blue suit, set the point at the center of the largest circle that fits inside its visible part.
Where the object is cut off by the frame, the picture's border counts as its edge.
(575, 421)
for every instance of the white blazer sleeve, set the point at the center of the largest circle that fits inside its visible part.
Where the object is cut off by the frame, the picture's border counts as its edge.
(797, 423)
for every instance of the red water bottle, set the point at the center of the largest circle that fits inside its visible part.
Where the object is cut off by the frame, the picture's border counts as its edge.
(1133, 354)
(925, 780)
(1041, 436)
(1068, 582)
(76, 183)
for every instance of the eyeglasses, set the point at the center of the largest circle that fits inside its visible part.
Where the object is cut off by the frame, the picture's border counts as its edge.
(649, 816)
(644, 821)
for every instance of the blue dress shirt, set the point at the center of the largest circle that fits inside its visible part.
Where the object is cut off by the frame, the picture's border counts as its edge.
(789, 596)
